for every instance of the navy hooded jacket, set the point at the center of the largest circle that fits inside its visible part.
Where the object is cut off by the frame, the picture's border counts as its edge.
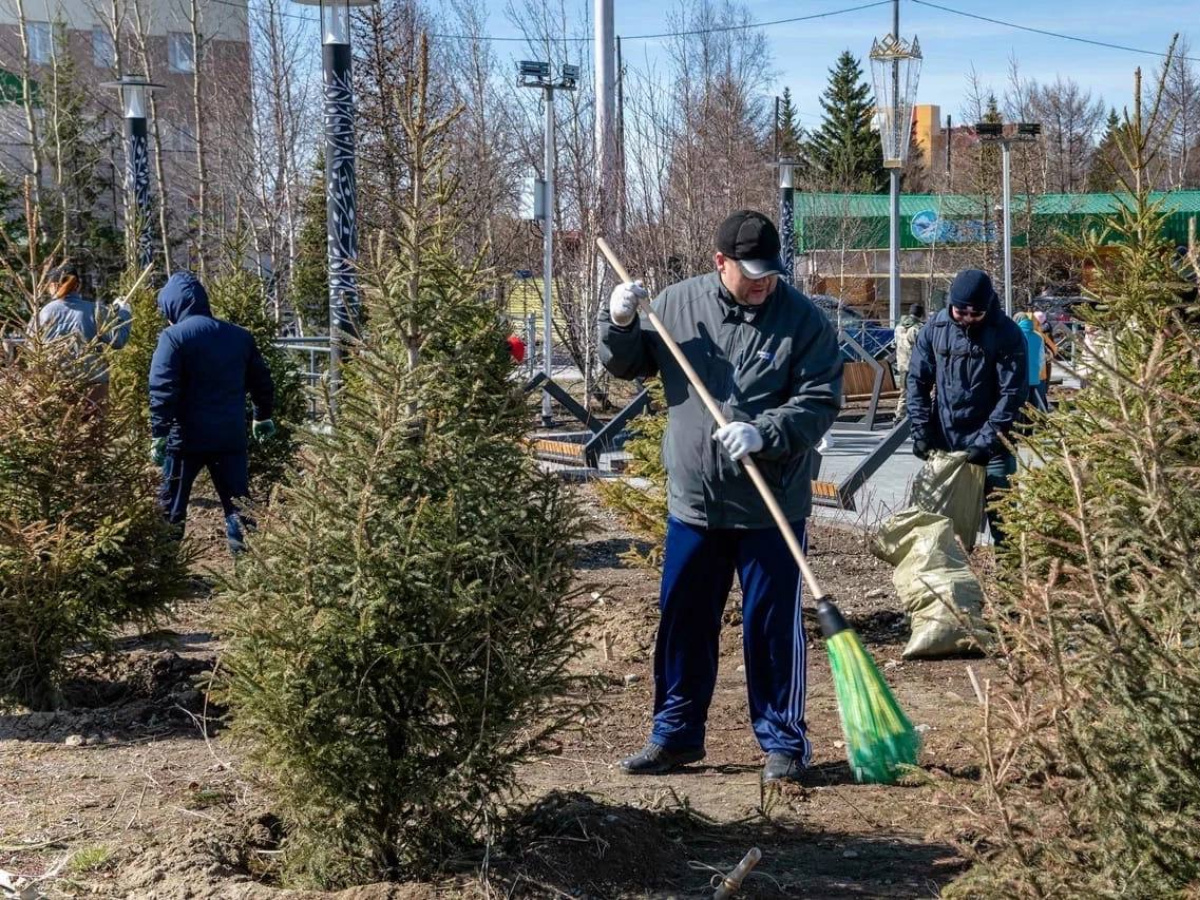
(201, 371)
(980, 377)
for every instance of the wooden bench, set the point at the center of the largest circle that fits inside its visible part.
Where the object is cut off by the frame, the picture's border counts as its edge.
(858, 381)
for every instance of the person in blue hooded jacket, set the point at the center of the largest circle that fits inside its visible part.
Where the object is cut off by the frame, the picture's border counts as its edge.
(967, 382)
(199, 376)
(1035, 351)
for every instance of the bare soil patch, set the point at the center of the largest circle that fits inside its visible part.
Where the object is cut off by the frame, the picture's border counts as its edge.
(125, 795)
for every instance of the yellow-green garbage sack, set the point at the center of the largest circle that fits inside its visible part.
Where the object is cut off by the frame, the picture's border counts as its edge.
(940, 593)
(952, 487)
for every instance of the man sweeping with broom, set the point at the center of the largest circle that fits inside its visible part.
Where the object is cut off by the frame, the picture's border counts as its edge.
(770, 358)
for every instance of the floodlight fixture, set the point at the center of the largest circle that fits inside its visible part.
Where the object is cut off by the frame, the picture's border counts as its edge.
(533, 69)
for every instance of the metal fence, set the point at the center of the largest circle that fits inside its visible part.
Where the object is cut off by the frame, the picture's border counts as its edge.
(313, 353)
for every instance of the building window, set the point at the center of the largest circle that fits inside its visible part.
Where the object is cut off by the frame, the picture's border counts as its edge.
(181, 139)
(181, 55)
(41, 42)
(104, 55)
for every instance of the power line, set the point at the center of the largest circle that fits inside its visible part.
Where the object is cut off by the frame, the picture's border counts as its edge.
(1053, 34)
(587, 40)
(823, 15)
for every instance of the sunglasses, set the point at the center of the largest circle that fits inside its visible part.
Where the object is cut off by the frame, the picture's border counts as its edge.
(968, 313)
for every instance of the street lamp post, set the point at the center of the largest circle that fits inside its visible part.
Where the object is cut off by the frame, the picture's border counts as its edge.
(537, 75)
(993, 133)
(341, 191)
(787, 217)
(896, 69)
(135, 91)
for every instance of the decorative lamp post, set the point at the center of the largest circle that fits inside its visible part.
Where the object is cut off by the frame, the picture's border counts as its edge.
(135, 101)
(787, 217)
(994, 133)
(341, 192)
(537, 75)
(895, 69)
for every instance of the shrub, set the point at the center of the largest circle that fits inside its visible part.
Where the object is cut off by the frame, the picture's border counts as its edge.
(238, 297)
(1091, 745)
(84, 549)
(130, 367)
(644, 508)
(398, 636)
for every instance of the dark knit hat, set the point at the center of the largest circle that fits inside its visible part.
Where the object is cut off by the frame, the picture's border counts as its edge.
(972, 289)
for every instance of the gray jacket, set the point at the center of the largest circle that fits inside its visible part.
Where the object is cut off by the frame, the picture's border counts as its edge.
(71, 322)
(777, 365)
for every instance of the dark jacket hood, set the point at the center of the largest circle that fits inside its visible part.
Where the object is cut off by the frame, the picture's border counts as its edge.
(182, 296)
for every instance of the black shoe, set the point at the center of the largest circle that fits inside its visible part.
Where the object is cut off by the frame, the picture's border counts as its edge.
(781, 767)
(655, 759)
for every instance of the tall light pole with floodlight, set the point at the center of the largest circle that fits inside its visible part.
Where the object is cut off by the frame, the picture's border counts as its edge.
(994, 133)
(135, 92)
(537, 75)
(895, 69)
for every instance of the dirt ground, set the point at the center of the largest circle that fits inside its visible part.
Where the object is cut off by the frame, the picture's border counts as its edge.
(123, 795)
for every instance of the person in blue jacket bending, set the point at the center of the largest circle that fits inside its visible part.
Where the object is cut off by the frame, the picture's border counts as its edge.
(202, 369)
(967, 382)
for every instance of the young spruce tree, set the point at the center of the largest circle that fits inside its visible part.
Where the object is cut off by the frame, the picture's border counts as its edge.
(239, 296)
(1091, 744)
(399, 633)
(84, 548)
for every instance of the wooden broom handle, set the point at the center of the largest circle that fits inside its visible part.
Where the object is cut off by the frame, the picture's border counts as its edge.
(714, 409)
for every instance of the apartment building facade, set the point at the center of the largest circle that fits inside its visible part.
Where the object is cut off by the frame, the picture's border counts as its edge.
(155, 38)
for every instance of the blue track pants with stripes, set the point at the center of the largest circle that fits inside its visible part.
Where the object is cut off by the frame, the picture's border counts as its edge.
(698, 569)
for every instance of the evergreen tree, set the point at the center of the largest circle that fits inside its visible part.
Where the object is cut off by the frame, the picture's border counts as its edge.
(129, 371)
(309, 288)
(78, 153)
(791, 135)
(399, 634)
(844, 149)
(1091, 768)
(84, 548)
(1103, 176)
(239, 296)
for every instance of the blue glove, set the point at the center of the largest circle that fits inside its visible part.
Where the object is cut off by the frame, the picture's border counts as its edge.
(263, 430)
(158, 451)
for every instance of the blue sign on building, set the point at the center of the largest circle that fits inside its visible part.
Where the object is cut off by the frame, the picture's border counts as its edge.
(928, 228)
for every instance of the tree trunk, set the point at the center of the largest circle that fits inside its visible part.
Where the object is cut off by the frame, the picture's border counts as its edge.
(31, 125)
(199, 118)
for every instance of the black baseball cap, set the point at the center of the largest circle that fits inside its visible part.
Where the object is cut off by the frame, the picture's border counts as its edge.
(751, 239)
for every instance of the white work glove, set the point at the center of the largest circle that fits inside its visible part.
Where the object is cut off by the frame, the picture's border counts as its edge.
(739, 439)
(121, 304)
(623, 302)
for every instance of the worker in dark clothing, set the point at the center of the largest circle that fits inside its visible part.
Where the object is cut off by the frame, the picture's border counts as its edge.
(975, 357)
(770, 358)
(199, 377)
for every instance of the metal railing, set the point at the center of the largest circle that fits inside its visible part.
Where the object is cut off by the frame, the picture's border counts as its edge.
(317, 352)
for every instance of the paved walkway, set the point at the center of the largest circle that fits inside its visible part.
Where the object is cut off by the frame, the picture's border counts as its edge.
(887, 490)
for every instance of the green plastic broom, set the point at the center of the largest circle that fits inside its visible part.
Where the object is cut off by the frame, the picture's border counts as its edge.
(880, 741)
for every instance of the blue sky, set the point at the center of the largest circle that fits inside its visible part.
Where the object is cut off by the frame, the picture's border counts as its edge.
(804, 51)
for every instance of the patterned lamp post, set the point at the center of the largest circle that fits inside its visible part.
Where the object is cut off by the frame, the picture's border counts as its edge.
(896, 69)
(135, 92)
(787, 216)
(341, 195)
